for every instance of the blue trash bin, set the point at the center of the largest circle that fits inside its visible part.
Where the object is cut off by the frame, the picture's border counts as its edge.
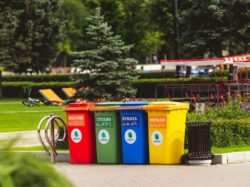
(134, 133)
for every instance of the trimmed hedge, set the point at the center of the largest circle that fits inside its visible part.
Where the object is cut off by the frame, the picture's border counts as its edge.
(19, 89)
(37, 78)
(217, 73)
(226, 72)
(146, 87)
(227, 133)
(156, 75)
(68, 78)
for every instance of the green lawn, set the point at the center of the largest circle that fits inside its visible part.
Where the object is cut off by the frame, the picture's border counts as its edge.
(35, 148)
(14, 116)
(230, 149)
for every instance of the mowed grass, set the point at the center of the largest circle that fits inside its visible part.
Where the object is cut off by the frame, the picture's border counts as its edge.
(35, 148)
(230, 149)
(14, 116)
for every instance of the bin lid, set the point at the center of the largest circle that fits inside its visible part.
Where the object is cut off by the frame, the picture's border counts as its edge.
(138, 105)
(104, 106)
(166, 105)
(109, 103)
(79, 106)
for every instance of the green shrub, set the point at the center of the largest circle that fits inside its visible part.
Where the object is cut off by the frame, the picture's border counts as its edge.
(18, 170)
(37, 78)
(228, 133)
(156, 75)
(230, 124)
(217, 73)
(231, 111)
(19, 89)
(226, 72)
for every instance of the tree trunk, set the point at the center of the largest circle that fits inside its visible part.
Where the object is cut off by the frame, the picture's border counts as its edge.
(231, 72)
(1, 92)
(177, 72)
(188, 71)
(177, 38)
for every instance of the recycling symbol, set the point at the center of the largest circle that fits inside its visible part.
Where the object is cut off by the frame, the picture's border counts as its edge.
(157, 138)
(103, 136)
(130, 136)
(76, 135)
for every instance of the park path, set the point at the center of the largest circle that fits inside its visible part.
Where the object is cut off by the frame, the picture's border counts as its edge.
(230, 175)
(25, 138)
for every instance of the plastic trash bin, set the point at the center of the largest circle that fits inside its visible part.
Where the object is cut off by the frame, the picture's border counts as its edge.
(107, 128)
(134, 133)
(166, 131)
(81, 133)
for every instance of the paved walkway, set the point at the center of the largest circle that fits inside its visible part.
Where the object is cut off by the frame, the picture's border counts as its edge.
(235, 175)
(25, 138)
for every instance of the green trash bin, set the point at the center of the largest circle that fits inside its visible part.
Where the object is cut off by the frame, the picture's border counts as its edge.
(108, 137)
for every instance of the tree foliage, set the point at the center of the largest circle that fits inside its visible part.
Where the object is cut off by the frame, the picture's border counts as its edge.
(213, 25)
(132, 20)
(33, 33)
(105, 69)
(8, 25)
(73, 13)
(18, 170)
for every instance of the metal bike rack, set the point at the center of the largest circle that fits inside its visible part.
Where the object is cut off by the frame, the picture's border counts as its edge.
(50, 122)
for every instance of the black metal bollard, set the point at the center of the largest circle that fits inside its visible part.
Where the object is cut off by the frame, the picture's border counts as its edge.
(199, 141)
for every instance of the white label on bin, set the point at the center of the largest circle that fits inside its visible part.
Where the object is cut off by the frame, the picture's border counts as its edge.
(157, 138)
(103, 136)
(130, 136)
(76, 135)
(129, 121)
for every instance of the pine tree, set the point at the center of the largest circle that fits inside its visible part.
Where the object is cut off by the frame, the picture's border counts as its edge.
(105, 69)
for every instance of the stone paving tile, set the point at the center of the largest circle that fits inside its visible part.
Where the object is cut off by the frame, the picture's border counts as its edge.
(235, 175)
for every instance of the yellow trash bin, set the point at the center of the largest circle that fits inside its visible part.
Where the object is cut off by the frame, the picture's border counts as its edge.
(166, 131)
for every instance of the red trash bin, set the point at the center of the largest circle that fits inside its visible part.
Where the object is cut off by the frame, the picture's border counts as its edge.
(81, 133)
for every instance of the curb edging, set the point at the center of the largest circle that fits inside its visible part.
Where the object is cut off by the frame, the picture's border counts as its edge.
(225, 158)
(232, 158)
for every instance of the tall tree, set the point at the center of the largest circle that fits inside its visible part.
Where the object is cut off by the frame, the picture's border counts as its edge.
(162, 17)
(131, 20)
(201, 35)
(73, 14)
(105, 69)
(37, 35)
(140, 30)
(226, 27)
(237, 19)
(8, 24)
